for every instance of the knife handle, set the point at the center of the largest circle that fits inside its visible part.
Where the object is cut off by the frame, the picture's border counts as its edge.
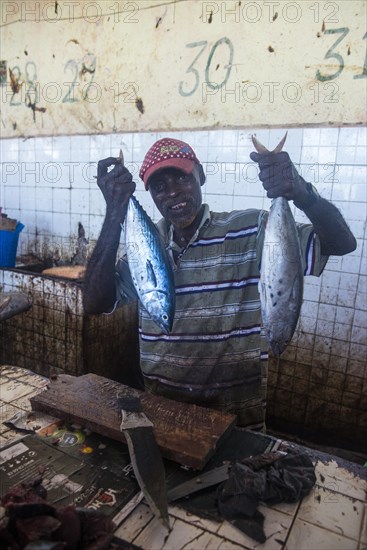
(129, 402)
(132, 415)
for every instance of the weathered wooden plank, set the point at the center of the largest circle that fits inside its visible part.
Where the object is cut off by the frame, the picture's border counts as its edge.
(187, 434)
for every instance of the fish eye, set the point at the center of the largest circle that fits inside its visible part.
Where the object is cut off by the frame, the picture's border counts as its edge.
(164, 317)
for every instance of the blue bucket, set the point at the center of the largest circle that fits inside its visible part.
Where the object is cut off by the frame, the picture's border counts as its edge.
(9, 245)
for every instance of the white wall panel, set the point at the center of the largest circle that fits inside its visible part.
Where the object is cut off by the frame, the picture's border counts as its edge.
(91, 67)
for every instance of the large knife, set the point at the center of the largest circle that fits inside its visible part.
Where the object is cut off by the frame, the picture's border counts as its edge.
(144, 452)
(221, 473)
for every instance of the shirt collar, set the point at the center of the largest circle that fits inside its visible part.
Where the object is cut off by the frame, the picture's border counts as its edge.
(166, 230)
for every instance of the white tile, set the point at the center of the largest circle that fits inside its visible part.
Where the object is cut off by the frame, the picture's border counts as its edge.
(61, 200)
(359, 175)
(230, 137)
(342, 331)
(349, 280)
(97, 154)
(335, 478)
(338, 363)
(80, 155)
(220, 203)
(80, 142)
(44, 199)
(7, 410)
(146, 201)
(312, 292)
(358, 351)
(351, 267)
(359, 335)
(324, 328)
(346, 155)
(348, 137)
(214, 154)
(326, 157)
(27, 144)
(360, 318)
(61, 151)
(142, 140)
(340, 192)
(358, 192)
(201, 154)
(243, 154)
(346, 298)
(310, 155)
(95, 226)
(311, 136)
(11, 198)
(276, 526)
(61, 224)
(362, 283)
(364, 530)
(326, 312)
(155, 536)
(305, 536)
(308, 324)
(43, 143)
(215, 138)
(100, 141)
(362, 137)
(329, 136)
(89, 171)
(79, 201)
(310, 172)
(10, 436)
(360, 155)
(224, 182)
(334, 263)
(322, 344)
(13, 390)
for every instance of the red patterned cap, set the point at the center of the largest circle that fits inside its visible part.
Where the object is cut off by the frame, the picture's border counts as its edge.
(168, 153)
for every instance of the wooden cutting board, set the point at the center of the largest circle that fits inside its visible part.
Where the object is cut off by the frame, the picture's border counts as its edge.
(187, 434)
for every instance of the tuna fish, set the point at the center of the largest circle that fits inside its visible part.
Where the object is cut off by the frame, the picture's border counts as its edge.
(149, 266)
(281, 279)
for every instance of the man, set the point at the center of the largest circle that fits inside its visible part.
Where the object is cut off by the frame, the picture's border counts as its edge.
(215, 355)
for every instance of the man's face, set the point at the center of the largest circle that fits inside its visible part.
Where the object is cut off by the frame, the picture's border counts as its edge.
(177, 195)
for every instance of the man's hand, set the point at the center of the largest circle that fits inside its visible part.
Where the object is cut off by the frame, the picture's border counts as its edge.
(116, 185)
(280, 177)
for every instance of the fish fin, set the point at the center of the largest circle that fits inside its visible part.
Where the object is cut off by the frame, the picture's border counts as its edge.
(150, 273)
(295, 296)
(279, 147)
(260, 148)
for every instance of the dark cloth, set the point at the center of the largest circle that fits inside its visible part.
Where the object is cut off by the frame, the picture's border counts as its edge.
(288, 479)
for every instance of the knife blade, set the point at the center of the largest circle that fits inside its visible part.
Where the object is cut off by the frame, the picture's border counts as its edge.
(144, 452)
(202, 481)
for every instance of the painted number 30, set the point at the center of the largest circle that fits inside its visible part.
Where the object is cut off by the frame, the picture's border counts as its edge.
(185, 89)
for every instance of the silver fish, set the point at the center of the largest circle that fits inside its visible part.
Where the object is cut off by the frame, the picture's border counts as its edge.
(149, 266)
(281, 279)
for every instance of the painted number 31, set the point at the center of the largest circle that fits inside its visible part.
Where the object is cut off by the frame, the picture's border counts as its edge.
(337, 58)
(188, 88)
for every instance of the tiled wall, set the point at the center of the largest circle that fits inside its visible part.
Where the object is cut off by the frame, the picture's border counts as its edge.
(48, 184)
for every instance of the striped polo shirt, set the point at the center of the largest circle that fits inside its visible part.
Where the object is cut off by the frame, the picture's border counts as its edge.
(216, 354)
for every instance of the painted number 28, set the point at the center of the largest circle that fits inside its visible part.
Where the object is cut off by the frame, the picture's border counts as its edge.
(188, 88)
